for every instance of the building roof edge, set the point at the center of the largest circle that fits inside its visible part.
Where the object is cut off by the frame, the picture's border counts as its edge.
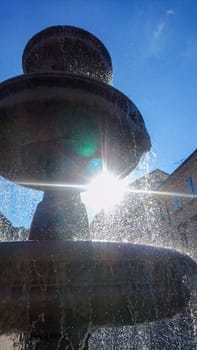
(194, 153)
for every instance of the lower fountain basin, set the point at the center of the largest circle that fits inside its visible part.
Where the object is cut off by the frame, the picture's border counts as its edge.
(56, 128)
(47, 285)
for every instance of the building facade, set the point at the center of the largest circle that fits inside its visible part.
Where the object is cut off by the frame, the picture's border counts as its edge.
(180, 208)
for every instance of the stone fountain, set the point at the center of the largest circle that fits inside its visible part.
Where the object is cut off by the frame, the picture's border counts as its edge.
(61, 122)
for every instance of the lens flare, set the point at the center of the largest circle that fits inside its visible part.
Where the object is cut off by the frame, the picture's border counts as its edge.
(105, 191)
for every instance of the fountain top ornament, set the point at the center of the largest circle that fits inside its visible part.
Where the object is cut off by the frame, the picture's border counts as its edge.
(61, 121)
(70, 50)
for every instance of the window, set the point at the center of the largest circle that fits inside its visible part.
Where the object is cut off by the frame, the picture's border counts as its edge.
(190, 185)
(183, 231)
(184, 239)
(176, 203)
(193, 218)
(168, 215)
(160, 213)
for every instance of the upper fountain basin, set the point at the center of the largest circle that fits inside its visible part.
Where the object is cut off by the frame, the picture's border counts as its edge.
(70, 50)
(55, 127)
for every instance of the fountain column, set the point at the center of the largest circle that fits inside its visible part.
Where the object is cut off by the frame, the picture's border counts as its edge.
(60, 215)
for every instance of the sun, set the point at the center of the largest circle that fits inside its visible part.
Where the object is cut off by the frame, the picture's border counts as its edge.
(104, 192)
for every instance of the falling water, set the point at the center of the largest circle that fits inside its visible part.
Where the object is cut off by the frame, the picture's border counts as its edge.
(178, 332)
(136, 219)
(133, 220)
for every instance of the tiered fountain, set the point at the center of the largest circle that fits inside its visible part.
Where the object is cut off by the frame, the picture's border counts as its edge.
(59, 122)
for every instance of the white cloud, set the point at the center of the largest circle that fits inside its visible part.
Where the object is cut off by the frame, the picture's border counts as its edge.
(159, 29)
(170, 12)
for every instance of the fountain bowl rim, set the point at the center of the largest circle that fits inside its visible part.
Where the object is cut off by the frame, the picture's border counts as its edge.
(6, 86)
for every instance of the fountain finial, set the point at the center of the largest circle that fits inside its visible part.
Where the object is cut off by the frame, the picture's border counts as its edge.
(70, 50)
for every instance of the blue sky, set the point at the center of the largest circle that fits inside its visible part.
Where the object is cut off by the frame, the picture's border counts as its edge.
(153, 45)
